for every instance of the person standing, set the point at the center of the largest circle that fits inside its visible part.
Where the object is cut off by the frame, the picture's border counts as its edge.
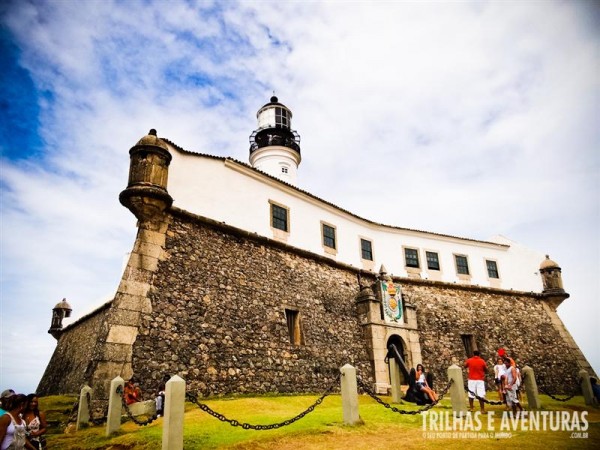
(36, 423)
(499, 370)
(160, 400)
(12, 428)
(6, 395)
(595, 389)
(476, 379)
(512, 380)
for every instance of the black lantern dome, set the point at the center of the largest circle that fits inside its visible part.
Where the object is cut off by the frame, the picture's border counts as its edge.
(274, 128)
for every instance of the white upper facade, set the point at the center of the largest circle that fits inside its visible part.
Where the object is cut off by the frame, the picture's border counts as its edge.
(228, 191)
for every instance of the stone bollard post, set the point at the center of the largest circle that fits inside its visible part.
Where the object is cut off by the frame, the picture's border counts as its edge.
(83, 412)
(457, 390)
(395, 381)
(531, 389)
(586, 387)
(115, 405)
(174, 409)
(349, 395)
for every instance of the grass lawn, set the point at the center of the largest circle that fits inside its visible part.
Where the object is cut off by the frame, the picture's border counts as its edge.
(324, 428)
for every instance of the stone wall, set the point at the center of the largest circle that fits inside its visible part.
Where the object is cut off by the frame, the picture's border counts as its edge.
(213, 310)
(517, 322)
(66, 371)
(218, 315)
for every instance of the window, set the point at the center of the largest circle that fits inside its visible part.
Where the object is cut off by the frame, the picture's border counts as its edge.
(462, 265)
(469, 343)
(284, 169)
(366, 249)
(279, 217)
(282, 117)
(433, 261)
(411, 257)
(293, 322)
(328, 236)
(492, 269)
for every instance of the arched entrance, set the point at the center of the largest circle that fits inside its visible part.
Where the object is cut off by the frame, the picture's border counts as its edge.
(404, 354)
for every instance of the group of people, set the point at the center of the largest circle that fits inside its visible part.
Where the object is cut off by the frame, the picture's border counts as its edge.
(22, 424)
(506, 377)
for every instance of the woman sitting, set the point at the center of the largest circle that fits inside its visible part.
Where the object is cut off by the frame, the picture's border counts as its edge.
(422, 385)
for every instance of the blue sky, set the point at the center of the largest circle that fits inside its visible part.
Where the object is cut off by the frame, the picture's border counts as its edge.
(471, 119)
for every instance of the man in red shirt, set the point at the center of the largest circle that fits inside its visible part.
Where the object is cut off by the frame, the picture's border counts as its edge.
(476, 379)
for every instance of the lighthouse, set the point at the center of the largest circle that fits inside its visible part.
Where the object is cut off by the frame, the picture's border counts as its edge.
(274, 146)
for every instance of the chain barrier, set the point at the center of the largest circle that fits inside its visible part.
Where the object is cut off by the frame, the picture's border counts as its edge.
(247, 426)
(576, 391)
(566, 399)
(131, 416)
(543, 390)
(485, 400)
(374, 396)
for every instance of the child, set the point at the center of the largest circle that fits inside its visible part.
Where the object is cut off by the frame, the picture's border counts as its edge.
(499, 371)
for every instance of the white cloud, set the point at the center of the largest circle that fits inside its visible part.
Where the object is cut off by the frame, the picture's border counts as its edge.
(468, 118)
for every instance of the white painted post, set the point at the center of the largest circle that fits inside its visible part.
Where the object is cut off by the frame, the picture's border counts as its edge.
(83, 412)
(457, 390)
(174, 412)
(586, 387)
(115, 405)
(531, 389)
(395, 381)
(349, 395)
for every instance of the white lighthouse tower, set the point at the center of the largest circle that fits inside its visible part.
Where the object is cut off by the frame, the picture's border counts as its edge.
(274, 146)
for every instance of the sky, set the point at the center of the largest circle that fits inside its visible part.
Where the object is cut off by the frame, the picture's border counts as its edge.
(464, 118)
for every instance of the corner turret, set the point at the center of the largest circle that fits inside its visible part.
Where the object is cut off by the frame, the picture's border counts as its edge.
(552, 282)
(274, 146)
(146, 194)
(59, 312)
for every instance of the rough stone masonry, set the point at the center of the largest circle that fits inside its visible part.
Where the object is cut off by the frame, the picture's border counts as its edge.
(216, 316)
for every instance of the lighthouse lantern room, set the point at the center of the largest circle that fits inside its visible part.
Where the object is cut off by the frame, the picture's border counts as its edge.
(274, 146)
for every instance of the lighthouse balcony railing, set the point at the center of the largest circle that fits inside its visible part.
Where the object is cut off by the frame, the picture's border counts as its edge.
(268, 140)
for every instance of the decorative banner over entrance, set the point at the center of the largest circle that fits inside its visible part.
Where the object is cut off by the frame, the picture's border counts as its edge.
(391, 298)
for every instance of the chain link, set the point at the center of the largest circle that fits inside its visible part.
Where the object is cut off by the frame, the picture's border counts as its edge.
(247, 426)
(131, 416)
(575, 392)
(371, 394)
(485, 400)
(540, 388)
(566, 399)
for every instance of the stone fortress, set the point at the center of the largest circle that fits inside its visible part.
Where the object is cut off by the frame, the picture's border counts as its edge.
(241, 282)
